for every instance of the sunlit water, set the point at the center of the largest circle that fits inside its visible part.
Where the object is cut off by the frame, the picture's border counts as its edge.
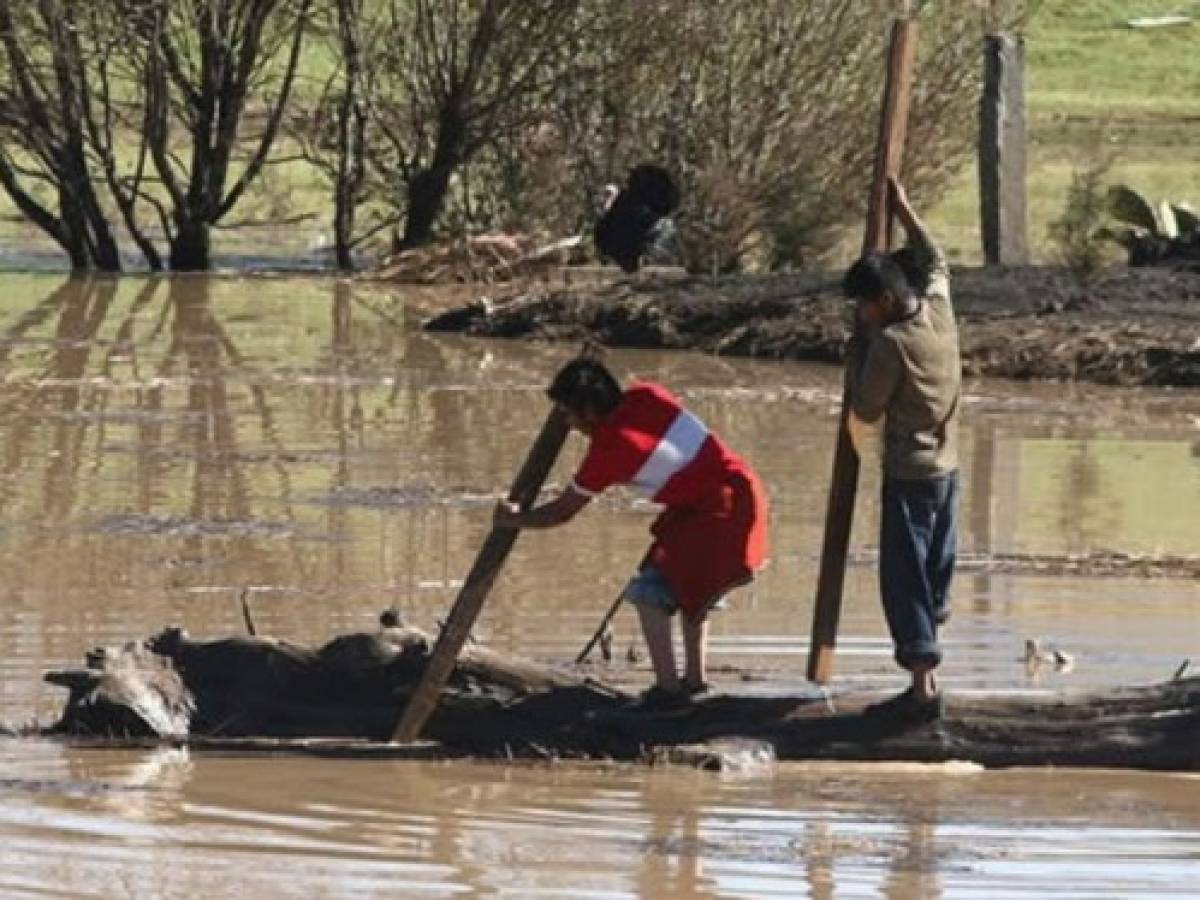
(166, 445)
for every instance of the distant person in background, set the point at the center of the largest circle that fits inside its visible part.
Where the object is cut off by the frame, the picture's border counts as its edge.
(710, 538)
(904, 367)
(635, 225)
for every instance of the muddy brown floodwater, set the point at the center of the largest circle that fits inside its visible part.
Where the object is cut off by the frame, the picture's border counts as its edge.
(165, 445)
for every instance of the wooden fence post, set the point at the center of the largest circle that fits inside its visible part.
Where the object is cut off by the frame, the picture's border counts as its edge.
(1002, 152)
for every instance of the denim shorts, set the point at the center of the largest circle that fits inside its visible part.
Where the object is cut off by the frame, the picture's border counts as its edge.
(649, 588)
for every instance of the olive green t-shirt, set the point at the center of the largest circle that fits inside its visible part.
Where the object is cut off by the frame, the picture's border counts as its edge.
(911, 374)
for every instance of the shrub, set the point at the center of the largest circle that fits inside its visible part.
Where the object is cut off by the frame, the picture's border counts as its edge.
(766, 112)
(1076, 236)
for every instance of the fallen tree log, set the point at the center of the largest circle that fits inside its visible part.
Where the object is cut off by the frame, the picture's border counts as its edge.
(257, 694)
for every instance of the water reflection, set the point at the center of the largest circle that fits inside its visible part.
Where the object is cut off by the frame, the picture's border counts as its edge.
(167, 443)
(94, 824)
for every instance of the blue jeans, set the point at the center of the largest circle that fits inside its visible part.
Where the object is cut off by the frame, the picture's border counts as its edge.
(649, 588)
(917, 546)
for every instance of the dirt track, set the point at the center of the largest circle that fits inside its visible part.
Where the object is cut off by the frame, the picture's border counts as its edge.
(1135, 326)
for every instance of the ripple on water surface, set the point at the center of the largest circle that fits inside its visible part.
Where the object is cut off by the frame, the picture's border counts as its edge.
(173, 824)
(169, 446)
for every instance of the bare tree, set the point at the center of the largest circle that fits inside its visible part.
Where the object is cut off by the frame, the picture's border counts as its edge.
(421, 89)
(351, 131)
(331, 128)
(204, 62)
(49, 61)
(80, 79)
(461, 71)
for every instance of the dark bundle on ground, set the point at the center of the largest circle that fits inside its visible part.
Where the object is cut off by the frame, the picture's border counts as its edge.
(636, 223)
(1153, 250)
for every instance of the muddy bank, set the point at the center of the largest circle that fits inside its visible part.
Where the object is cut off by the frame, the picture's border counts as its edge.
(1128, 327)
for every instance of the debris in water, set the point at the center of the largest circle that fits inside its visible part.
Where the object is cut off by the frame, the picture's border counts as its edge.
(1039, 655)
(741, 755)
(1158, 21)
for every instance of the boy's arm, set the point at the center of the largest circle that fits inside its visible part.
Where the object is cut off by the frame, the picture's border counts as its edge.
(872, 384)
(558, 511)
(930, 255)
(862, 435)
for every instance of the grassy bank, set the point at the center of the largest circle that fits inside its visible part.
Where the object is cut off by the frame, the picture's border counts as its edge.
(1096, 88)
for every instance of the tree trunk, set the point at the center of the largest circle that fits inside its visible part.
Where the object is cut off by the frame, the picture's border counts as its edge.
(426, 197)
(86, 237)
(428, 188)
(106, 256)
(76, 250)
(190, 250)
(351, 128)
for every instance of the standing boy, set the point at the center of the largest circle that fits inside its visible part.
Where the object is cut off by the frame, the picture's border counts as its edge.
(711, 536)
(905, 368)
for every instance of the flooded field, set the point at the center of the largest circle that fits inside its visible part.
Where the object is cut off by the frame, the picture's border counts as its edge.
(167, 445)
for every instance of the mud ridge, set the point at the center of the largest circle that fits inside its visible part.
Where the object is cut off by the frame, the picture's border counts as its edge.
(1128, 327)
(1095, 564)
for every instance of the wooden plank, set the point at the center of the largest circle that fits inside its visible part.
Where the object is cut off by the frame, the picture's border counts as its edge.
(839, 513)
(893, 125)
(479, 581)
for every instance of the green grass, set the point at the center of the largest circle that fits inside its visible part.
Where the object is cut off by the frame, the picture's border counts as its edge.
(1084, 61)
(1097, 87)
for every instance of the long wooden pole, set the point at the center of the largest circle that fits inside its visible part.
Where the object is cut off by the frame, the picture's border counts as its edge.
(844, 485)
(479, 581)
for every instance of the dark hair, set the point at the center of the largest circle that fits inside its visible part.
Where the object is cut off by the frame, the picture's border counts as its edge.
(873, 274)
(585, 385)
(914, 267)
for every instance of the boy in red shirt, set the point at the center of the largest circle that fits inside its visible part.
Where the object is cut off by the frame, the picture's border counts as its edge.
(710, 538)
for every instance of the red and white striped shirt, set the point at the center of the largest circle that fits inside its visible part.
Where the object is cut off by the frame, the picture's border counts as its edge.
(653, 444)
